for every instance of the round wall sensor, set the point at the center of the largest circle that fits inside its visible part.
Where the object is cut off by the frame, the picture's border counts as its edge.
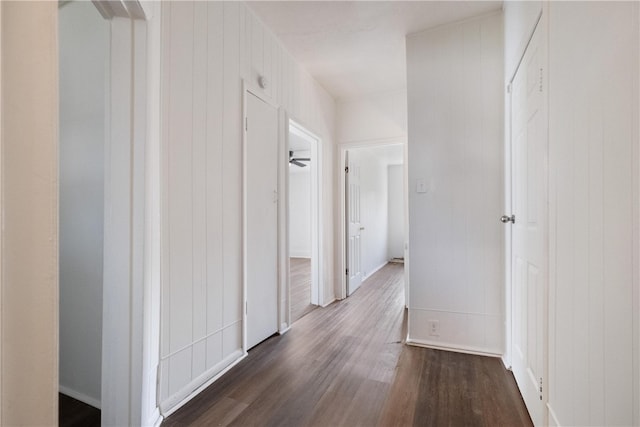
(263, 82)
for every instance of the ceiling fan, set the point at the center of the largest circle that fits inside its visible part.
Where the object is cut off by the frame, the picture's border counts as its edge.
(298, 160)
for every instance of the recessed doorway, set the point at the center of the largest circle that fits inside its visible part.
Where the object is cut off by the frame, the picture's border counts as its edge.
(304, 228)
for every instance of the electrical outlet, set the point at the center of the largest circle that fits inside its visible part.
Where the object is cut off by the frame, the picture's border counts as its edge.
(433, 328)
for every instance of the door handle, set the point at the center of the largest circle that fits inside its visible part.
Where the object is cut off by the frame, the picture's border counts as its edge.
(505, 219)
(361, 228)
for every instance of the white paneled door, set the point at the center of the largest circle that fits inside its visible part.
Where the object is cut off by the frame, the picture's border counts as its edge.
(261, 209)
(529, 144)
(353, 225)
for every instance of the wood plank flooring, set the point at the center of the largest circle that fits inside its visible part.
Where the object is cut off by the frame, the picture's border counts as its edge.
(300, 276)
(73, 413)
(346, 365)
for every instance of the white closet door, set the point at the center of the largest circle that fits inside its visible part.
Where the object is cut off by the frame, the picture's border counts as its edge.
(530, 235)
(261, 215)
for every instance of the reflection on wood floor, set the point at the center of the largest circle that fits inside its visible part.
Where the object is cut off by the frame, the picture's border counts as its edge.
(300, 275)
(347, 365)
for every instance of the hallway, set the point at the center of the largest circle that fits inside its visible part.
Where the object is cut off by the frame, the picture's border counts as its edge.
(346, 365)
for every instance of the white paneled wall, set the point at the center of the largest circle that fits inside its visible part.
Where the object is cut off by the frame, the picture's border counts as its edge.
(455, 108)
(593, 152)
(208, 49)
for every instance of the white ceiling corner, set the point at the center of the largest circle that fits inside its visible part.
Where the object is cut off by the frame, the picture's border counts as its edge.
(357, 48)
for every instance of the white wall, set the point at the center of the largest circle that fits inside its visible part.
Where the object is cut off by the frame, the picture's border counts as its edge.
(208, 48)
(395, 211)
(300, 211)
(29, 267)
(83, 36)
(455, 145)
(373, 211)
(594, 328)
(375, 117)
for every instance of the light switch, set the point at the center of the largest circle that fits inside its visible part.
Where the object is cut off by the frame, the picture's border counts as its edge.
(421, 187)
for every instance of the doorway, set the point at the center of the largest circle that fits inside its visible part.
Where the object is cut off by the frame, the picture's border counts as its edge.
(374, 211)
(83, 64)
(303, 216)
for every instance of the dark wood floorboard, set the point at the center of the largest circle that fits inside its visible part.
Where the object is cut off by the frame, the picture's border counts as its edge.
(300, 277)
(346, 365)
(73, 413)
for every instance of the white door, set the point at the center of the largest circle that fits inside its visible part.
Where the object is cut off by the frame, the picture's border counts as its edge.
(530, 206)
(261, 209)
(353, 225)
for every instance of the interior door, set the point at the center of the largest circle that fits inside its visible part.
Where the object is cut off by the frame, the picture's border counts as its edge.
(261, 209)
(353, 225)
(530, 235)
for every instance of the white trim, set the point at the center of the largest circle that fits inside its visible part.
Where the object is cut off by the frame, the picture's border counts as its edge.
(327, 304)
(553, 418)
(91, 401)
(284, 328)
(375, 270)
(182, 397)
(452, 347)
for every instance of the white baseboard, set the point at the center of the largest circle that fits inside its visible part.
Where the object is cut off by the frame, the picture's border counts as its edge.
(329, 303)
(456, 349)
(153, 420)
(179, 399)
(299, 255)
(553, 419)
(375, 270)
(92, 401)
(284, 328)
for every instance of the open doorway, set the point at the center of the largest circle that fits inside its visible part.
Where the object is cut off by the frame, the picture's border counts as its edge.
(303, 221)
(83, 49)
(374, 214)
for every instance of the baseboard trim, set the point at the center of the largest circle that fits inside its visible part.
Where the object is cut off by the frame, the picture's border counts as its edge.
(329, 303)
(553, 419)
(284, 328)
(154, 420)
(374, 271)
(91, 401)
(178, 400)
(456, 349)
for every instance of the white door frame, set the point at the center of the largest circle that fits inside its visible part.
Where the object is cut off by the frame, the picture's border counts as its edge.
(342, 267)
(248, 88)
(317, 294)
(131, 284)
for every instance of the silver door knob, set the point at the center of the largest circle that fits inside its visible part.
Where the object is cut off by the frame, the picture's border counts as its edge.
(506, 219)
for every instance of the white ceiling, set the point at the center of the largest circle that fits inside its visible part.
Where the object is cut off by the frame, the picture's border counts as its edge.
(356, 48)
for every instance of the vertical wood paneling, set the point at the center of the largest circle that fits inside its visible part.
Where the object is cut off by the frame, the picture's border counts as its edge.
(208, 48)
(180, 192)
(594, 275)
(199, 170)
(218, 28)
(454, 145)
(232, 164)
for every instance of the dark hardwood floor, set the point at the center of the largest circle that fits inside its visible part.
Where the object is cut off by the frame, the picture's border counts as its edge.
(300, 276)
(73, 413)
(346, 365)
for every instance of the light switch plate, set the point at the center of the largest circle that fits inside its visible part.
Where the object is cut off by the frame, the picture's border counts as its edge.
(421, 186)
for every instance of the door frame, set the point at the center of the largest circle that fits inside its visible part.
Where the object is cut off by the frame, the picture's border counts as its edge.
(249, 89)
(342, 264)
(131, 281)
(317, 291)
